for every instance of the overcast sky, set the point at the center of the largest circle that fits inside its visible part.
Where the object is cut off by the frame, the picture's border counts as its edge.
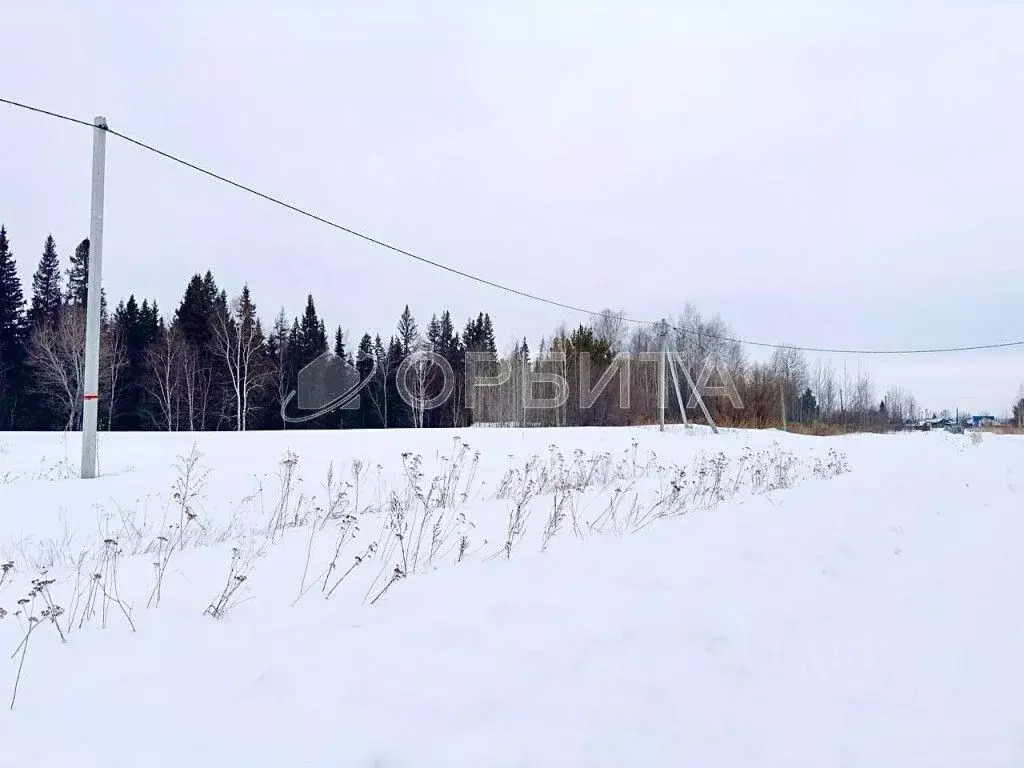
(819, 173)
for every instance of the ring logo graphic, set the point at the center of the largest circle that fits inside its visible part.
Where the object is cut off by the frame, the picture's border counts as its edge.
(326, 384)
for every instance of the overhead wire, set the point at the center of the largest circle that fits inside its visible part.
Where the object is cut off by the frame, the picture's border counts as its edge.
(468, 275)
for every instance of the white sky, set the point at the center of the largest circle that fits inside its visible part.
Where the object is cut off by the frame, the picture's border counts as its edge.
(820, 173)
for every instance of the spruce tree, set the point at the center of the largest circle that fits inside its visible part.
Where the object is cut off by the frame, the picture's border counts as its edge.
(129, 320)
(449, 339)
(398, 411)
(339, 343)
(433, 333)
(282, 367)
(378, 389)
(367, 413)
(307, 341)
(487, 331)
(312, 335)
(12, 334)
(12, 306)
(194, 316)
(78, 276)
(408, 331)
(478, 336)
(46, 289)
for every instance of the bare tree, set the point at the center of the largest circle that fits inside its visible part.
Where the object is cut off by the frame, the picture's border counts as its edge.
(823, 382)
(378, 391)
(279, 362)
(610, 327)
(114, 358)
(196, 381)
(790, 368)
(864, 397)
(900, 405)
(418, 388)
(56, 354)
(164, 365)
(238, 339)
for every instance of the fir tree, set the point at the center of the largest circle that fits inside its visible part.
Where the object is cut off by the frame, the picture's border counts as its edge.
(339, 343)
(433, 333)
(478, 336)
(78, 276)
(487, 331)
(397, 411)
(367, 414)
(12, 306)
(46, 290)
(194, 316)
(282, 367)
(808, 405)
(139, 327)
(312, 335)
(408, 331)
(378, 389)
(12, 334)
(448, 340)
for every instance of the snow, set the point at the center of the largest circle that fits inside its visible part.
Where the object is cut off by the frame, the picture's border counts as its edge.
(861, 610)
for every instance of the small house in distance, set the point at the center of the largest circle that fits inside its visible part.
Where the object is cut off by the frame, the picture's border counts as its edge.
(979, 420)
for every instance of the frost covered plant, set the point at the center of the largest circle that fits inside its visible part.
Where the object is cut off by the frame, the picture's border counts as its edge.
(287, 508)
(396, 575)
(238, 575)
(31, 623)
(5, 569)
(556, 517)
(189, 483)
(359, 560)
(832, 465)
(424, 522)
(103, 592)
(522, 493)
(50, 614)
(336, 510)
(448, 480)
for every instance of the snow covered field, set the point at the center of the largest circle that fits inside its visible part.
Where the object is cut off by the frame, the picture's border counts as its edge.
(491, 598)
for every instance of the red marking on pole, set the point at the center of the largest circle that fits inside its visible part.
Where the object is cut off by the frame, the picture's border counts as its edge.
(90, 396)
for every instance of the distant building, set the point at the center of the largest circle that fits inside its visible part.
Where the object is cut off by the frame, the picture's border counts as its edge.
(980, 420)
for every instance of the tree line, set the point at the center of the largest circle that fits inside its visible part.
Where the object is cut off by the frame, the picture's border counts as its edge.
(214, 364)
(211, 365)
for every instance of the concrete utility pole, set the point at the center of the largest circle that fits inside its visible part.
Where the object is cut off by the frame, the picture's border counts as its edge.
(662, 376)
(667, 359)
(90, 394)
(679, 395)
(782, 404)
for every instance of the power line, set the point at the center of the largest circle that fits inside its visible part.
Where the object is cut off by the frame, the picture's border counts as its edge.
(46, 112)
(476, 278)
(827, 350)
(317, 217)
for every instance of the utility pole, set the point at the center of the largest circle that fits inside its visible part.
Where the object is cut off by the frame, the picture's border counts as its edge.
(663, 332)
(90, 394)
(679, 394)
(782, 403)
(669, 357)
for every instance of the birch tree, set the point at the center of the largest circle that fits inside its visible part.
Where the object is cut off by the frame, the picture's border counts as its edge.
(56, 355)
(239, 342)
(165, 366)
